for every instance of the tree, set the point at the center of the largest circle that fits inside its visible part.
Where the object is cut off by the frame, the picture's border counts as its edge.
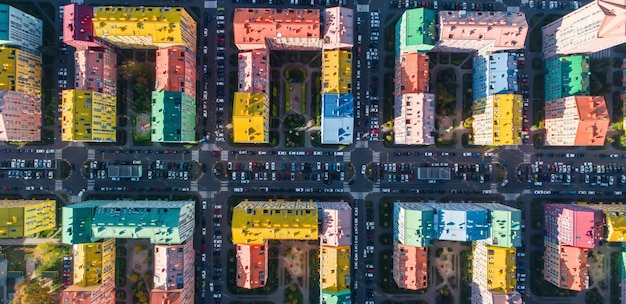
(31, 291)
(48, 255)
(128, 69)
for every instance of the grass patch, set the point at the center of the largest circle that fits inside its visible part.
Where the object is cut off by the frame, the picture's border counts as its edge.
(466, 276)
(536, 213)
(314, 279)
(468, 102)
(616, 272)
(385, 212)
(316, 139)
(385, 239)
(446, 92)
(294, 138)
(293, 294)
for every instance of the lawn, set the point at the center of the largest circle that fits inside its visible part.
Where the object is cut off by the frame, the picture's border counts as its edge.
(536, 213)
(294, 138)
(466, 276)
(314, 280)
(385, 212)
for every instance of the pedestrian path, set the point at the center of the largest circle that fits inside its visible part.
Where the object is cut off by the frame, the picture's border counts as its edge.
(90, 184)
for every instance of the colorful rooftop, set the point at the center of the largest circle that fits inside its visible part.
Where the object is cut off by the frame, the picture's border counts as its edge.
(254, 222)
(88, 116)
(494, 265)
(252, 265)
(498, 120)
(494, 74)
(176, 70)
(460, 222)
(254, 71)
(506, 225)
(410, 266)
(335, 268)
(250, 118)
(413, 224)
(337, 119)
(414, 119)
(411, 74)
(576, 121)
(145, 27)
(336, 72)
(342, 297)
(336, 224)
(615, 220)
(568, 76)
(416, 31)
(162, 222)
(466, 31)
(20, 29)
(566, 267)
(286, 29)
(95, 294)
(338, 28)
(20, 117)
(20, 218)
(94, 263)
(78, 26)
(173, 117)
(174, 274)
(96, 70)
(20, 72)
(573, 225)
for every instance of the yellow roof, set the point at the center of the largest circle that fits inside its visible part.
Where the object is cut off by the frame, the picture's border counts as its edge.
(498, 120)
(500, 269)
(337, 72)
(88, 116)
(250, 118)
(256, 221)
(335, 268)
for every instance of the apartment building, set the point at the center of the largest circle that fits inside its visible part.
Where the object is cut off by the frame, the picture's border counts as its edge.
(594, 27)
(410, 266)
(20, 72)
(414, 119)
(614, 220)
(96, 70)
(494, 73)
(22, 218)
(497, 120)
(505, 223)
(338, 28)
(337, 119)
(88, 116)
(335, 268)
(336, 72)
(94, 274)
(254, 71)
(176, 70)
(411, 74)
(342, 297)
(251, 118)
(139, 27)
(566, 266)
(78, 27)
(416, 31)
(162, 222)
(173, 117)
(336, 230)
(413, 224)
(19, 29)
(567, 76)
(576, 121)
(20, 117)
(174, 274)
(493, 273)
(486, 32)
(573, 225)
(286, 29)
(252, 265)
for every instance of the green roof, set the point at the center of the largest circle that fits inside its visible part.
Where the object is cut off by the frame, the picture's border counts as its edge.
(416, 31)
(173, 117)
(413, 224)
(506, 223)
(569, 76)
(163, 222)
(342, 297)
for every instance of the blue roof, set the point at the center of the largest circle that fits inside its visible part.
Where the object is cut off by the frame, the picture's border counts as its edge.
(337, 118)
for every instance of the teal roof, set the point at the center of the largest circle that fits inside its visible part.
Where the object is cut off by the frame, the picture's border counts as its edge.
(506, 225)
(569, 76)
(342, 297)
(413, 224)
(173, 117)
(416, 31)
(163, 222)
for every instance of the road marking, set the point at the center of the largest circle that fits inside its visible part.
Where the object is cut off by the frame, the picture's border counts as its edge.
(193, 186)
(375, 157)
(195, 155)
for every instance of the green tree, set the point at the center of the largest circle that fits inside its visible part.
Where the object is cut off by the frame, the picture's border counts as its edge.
(48, 255)
(128, 69)
(31, 291)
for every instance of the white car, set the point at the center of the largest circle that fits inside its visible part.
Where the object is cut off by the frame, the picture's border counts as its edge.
(363, 169)
(206, 32)
(205, 49)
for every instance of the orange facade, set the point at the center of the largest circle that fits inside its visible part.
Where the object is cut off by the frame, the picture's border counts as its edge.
(96, 70)
(175, 70)
(252, 265)
(410, 266)
(411, 74)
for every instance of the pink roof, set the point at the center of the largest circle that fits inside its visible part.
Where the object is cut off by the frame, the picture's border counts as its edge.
(96, 294)
(77, 25)
(410, 266)
(336, 224)
(289, 29)
(338, 31)
(252, 266)
(96, 70)
(574, 225)
(254, 71)
(20, 116)
(175, 70)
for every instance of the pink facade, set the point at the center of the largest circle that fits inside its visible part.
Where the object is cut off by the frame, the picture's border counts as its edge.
(77, 26)
(96, 70)
(175, 70)
(573, 225)
(96, 294)
(254, 71)
(566, 267)
(410, 266)
(173, 274)
(338, 30)
(336, 224)
(20, 116)
(252, 262)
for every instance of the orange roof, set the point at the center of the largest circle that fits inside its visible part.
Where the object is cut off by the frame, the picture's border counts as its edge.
(594, 120)
(411, 73)
(252, 270)
(285, 29)
(566, 267)
(410, 266)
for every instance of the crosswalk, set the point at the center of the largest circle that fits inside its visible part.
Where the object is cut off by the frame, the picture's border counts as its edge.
(195, 155)
(193, 186)
(58, 185)
(347, 157)
(224, 186)
(362, 144)
(376, 187)
(58, 154)
(527, 157)
(224, 155)
(90, 184)
(91, 154)
(375, 157)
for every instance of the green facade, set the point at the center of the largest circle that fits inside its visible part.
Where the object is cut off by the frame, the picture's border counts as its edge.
(173, 117)
(567, 76)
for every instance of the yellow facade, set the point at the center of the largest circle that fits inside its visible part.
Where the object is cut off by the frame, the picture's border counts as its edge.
(88, 116)
(94, 263)
(337, 72)
(498, 120)
(145, 27)
(19, 218)
(500, 269)
(335, 268)
(256, 221)
(21, 71)
(251, 118)
(615, 217)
